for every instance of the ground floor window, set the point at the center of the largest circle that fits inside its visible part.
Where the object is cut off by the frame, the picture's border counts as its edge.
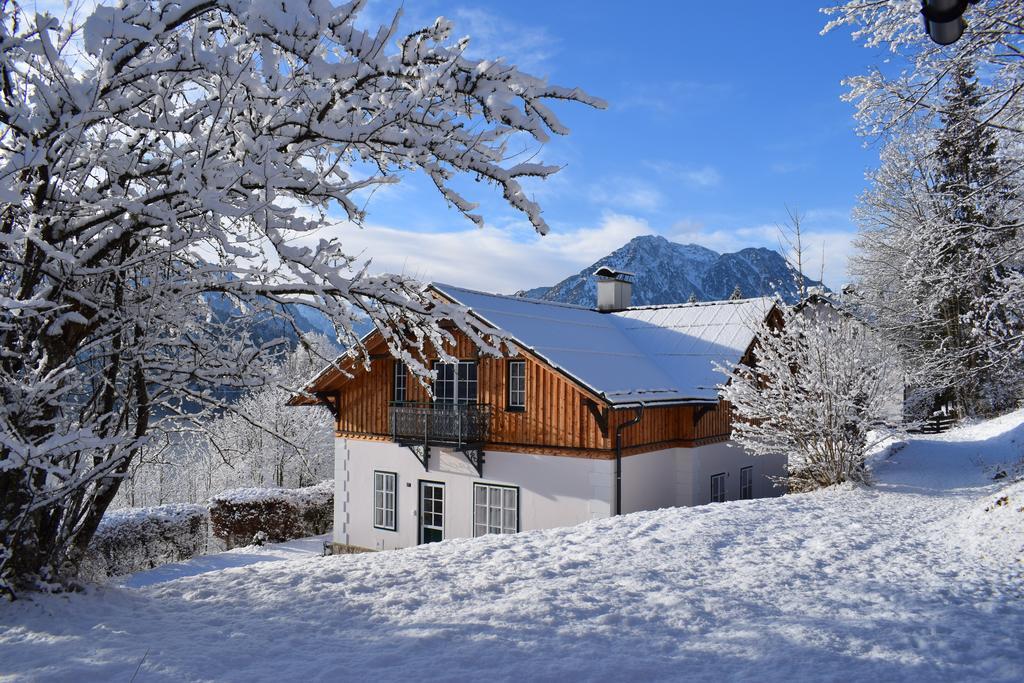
(746, 483)
(384, 493)
(495, 509)
(718, 488)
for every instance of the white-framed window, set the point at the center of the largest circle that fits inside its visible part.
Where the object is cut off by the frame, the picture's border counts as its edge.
(495, 509)
(517, 385)
(718, 488)
(455, 382)
(401, 380)
(385, 493)
(746, 483)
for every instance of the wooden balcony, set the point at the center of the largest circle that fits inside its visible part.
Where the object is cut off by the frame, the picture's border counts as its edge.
(461, 426)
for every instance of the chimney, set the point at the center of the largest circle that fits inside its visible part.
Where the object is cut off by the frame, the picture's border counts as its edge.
(614, 289)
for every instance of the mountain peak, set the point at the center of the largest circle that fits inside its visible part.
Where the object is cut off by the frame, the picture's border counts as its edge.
(648, 240)
(668, 272)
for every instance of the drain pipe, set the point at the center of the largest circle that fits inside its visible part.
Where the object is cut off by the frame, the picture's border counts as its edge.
(618, 454)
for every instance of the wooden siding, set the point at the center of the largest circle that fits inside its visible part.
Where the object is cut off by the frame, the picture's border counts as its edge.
(561, 417)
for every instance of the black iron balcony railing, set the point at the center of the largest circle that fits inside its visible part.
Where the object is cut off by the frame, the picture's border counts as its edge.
(459, 425)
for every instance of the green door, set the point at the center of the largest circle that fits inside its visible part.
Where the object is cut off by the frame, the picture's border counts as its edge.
(431, 511)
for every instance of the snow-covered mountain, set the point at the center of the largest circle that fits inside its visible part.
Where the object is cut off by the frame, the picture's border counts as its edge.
(668, 272)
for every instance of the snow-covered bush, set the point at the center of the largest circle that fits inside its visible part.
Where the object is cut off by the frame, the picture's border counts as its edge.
(821, 382)
(238, 515)
(134, 539)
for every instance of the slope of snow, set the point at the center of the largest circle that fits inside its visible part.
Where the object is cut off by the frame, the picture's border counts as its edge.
(236, 557)
(911, 579)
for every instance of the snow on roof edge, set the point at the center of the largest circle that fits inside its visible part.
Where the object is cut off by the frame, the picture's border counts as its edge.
(442, 288)
(437, 287)
(694, 304)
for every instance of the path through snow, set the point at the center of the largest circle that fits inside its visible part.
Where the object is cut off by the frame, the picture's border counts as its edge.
(908, 580)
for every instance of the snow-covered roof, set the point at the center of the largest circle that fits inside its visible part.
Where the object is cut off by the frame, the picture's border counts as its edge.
(647, 353)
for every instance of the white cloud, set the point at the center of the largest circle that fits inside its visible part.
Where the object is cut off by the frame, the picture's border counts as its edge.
(492, 36)
(512, 257)
(672, 98)
(783, 167)
(703, 177)
(490, 259)
(626, 193)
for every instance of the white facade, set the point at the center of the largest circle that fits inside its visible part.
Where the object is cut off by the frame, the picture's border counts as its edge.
(551, 491)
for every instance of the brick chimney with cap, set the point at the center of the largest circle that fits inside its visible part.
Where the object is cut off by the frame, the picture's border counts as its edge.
(614, 289)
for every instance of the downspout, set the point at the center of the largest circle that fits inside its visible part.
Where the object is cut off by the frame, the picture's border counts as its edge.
(618, 455)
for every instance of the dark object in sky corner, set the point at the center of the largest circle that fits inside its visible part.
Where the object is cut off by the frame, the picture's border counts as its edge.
(944, 19)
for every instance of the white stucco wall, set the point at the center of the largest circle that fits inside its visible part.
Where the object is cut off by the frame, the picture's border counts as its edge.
(554, 491)
(695, 466)
(682, 476)
(647, 480)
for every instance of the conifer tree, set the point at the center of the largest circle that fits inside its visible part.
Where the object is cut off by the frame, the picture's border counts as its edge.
(939, 255)
(971, 254)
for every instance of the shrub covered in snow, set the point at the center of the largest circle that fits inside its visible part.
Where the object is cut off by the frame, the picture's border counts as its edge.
(134, 539)
(821, 383)
(238, 515)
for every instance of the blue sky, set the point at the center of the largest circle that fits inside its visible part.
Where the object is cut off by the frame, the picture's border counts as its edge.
(720, 114)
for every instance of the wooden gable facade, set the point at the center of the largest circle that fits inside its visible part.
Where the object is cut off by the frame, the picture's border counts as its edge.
(560, 416)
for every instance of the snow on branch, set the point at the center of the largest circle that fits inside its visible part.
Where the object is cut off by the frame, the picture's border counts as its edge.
(167, 169)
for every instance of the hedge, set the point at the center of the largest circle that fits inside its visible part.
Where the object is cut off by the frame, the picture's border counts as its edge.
(134, 539)
(238, 515)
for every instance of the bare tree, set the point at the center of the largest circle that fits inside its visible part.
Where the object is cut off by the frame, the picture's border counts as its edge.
(790, 236)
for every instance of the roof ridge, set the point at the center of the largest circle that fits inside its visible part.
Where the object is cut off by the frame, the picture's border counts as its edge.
(561, 304)
(512, 297)
(687, 304)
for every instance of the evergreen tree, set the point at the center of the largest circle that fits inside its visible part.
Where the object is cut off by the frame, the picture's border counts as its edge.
(970, 254)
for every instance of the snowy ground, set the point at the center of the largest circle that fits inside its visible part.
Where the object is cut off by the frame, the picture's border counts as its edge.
(909, 580)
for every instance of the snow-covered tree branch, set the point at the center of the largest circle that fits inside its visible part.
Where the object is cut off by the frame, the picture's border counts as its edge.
(941, 250)
(164, 167)
(886, 98)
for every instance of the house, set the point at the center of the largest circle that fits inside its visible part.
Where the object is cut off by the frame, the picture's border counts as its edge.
(596, 412)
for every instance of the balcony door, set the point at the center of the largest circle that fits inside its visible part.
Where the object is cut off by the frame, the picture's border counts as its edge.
(431, 511)
(455, 383)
